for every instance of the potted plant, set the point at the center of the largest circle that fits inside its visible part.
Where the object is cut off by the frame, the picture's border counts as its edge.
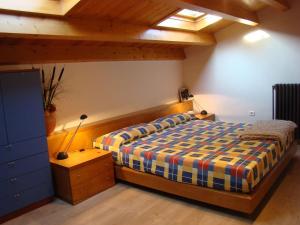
(50, 91)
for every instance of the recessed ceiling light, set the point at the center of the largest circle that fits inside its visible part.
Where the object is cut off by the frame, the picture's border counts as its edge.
(256, 36)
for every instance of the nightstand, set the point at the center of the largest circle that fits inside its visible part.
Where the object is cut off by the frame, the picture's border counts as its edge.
(209, 116)
(83, 174)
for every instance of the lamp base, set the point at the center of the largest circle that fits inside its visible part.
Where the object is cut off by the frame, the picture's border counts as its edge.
(62, 155)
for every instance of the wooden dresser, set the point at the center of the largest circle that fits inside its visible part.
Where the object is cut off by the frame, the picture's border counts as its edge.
(25, 176)
(83, 174)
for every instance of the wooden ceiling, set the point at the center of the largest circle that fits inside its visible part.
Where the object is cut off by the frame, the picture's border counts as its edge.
(253, 5)
(146, 12)
(124, 29)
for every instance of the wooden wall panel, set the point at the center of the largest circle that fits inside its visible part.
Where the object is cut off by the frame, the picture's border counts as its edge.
(85, 136)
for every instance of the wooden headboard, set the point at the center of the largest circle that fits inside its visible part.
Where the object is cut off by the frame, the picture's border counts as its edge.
(86, 135)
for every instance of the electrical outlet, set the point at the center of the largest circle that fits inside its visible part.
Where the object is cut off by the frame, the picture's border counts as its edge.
(251, 113)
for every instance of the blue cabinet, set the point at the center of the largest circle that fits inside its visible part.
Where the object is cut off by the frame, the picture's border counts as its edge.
(22, 149)
(24, 198)
(23, 166)
(25, 176)
(3, 138)
(25, 119)
(18, 183)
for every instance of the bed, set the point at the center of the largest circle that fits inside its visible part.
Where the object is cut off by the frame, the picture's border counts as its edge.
(197, 159)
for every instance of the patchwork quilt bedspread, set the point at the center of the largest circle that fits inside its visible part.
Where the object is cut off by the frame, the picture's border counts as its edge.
(205, 153)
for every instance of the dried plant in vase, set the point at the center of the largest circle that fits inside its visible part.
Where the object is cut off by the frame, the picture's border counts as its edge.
(51, 87)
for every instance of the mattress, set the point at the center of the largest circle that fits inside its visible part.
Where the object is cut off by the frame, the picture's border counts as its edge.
(204, 153)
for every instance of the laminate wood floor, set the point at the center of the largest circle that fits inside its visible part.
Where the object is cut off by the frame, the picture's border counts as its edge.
(128, 205)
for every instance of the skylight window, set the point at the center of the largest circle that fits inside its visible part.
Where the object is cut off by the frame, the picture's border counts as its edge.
(212, 18)
(189, 20)
(190, 13)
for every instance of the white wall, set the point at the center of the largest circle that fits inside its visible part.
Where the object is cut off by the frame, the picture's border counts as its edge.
(107, 89)
(235, 77)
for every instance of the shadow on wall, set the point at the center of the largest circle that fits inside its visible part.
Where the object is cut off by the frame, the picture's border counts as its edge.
(196, 65)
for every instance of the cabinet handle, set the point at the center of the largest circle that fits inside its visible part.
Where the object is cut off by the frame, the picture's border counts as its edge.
(8, 147)
(13, 180)
(11, 164)
(17, 196)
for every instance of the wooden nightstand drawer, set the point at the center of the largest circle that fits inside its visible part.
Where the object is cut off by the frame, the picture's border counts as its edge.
(83, 174)
(89, 171)
(93, 186)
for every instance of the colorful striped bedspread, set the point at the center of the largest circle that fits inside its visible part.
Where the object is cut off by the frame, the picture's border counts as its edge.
(205, 153)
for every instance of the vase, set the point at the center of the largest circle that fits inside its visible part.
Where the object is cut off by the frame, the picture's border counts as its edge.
(50, 122)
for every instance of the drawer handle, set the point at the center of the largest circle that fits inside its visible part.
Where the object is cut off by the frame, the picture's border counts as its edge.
(11, 164)
(17, 196)
(8, 147)
(13, 180)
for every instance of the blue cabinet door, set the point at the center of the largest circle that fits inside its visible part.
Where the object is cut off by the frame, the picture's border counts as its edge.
(24, 198)
(23, 166)
(23, 106)
(22, 149)
(24, 182)
(3, 138)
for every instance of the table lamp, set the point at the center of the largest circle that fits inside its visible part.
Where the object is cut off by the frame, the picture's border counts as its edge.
(64, 154)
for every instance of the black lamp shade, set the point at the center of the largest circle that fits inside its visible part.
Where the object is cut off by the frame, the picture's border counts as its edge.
(83, 117)
(62, 155)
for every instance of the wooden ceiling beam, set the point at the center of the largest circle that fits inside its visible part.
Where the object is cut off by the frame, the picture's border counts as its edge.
(68, 5)
(39, 54)
(227, 9)
(277, 4)
(89, 30)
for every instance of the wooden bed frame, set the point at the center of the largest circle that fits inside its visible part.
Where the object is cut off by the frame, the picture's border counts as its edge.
(246, 203)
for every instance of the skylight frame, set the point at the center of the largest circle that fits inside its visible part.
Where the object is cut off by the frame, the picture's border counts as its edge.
(46, 7)
(195, 24)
